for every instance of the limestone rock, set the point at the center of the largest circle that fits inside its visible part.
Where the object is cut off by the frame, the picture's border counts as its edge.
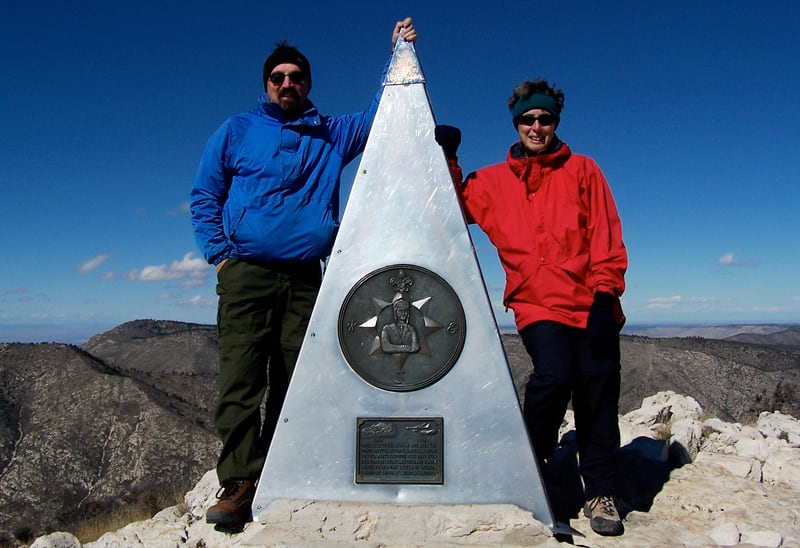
(57, 540)
(727, 534)
(777, 425)
(719, 499)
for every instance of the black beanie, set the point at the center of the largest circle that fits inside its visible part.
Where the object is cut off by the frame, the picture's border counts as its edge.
(284, 53)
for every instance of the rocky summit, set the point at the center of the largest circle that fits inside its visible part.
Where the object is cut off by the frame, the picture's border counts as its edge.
(90, 431)
(685, 480)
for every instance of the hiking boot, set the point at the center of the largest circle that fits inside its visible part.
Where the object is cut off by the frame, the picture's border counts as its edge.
(235, 499)
(603, 516)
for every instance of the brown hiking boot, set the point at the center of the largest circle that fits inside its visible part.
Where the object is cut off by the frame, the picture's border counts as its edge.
(603, 516)
(235, 499)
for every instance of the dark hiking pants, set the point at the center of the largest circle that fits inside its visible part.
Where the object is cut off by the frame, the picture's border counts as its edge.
(262, 318)
(563, 369)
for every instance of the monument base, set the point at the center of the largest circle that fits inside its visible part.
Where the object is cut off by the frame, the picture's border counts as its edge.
(351, 523)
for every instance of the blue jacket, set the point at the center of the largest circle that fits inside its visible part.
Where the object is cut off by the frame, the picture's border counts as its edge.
(267, 188)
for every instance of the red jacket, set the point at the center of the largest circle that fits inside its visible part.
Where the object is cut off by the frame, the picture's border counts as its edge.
(556, 229)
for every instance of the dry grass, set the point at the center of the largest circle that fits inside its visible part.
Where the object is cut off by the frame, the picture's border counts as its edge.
(662, 429)
(143, 508)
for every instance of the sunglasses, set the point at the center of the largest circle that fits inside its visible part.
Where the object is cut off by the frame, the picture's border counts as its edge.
(543, 119)
(277, 78)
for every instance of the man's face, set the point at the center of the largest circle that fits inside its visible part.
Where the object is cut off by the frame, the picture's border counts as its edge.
(402, 313)
(287, 87)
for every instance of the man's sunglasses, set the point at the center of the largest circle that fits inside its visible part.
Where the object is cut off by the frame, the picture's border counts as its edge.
(543, 119)
(277, 78)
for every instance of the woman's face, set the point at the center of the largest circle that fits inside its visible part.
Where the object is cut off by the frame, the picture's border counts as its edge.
(536, 129)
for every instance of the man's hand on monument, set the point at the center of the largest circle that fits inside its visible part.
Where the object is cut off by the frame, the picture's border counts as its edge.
(449, 138)
(404, 28)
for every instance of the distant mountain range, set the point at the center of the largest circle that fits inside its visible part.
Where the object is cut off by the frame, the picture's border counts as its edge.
(769, 334)
(733, 379)
(79, 334)
(84, 429)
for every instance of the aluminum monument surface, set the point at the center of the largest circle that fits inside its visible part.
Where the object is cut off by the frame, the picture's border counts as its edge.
(402, 392)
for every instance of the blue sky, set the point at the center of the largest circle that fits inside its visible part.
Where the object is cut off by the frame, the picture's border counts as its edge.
(691, 109)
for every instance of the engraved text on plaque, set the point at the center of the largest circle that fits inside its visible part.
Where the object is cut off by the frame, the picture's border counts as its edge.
(407, 450)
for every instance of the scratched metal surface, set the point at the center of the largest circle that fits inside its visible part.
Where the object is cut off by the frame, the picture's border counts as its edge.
(403, 210)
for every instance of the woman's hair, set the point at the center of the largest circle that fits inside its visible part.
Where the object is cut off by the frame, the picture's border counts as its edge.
(527, 88)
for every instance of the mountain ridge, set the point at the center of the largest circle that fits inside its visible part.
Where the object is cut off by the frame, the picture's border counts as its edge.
(83, 428)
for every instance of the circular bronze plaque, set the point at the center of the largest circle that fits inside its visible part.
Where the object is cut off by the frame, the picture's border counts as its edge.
(401, 328)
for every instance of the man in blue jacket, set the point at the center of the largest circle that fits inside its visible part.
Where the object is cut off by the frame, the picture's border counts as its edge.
(265, 209)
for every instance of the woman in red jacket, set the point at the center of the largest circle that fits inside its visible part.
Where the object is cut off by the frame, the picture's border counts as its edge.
(552, 218)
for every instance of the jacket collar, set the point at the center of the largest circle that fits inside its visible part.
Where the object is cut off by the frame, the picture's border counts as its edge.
(534, 170)
(310, 117)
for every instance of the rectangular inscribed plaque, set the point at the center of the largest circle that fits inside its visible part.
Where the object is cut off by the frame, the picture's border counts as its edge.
(404, 450)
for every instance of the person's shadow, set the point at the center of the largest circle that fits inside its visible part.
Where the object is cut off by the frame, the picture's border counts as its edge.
(643, 467)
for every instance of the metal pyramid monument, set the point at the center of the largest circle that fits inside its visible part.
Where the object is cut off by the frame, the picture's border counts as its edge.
(402, 391)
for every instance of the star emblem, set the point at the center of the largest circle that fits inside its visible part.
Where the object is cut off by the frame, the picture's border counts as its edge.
(401, 328)
(430, 326)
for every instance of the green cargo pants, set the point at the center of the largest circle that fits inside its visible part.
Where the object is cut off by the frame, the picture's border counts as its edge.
(263, 314)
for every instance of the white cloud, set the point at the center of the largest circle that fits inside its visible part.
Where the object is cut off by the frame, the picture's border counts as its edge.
(22, 295)
(658, 303)
(188, 267)
(180, 210)
(15, 291)
(158, 273)
(198, 300)
(768, 309)
(665, 303)
(196, 281)
(729, 259)
(93, 263)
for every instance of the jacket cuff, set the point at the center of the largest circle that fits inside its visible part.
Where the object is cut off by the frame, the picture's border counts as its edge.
(604, 297)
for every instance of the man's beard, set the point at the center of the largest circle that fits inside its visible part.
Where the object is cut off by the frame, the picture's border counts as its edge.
(295, 107)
